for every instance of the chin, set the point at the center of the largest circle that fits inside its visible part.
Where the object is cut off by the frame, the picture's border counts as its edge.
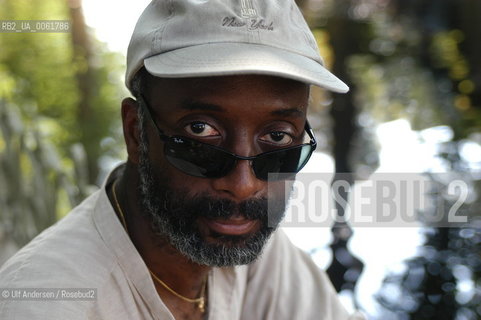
(230, 241)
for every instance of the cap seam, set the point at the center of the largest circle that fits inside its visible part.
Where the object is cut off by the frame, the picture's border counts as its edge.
(161, 31)
(320, 61)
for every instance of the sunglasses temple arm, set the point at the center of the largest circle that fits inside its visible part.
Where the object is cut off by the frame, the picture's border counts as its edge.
(143, 104)
(310, 132)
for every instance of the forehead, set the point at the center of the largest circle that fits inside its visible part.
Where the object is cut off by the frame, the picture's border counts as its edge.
(241, 93)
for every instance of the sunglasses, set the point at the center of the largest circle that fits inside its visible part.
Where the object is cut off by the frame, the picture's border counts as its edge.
(204, 160)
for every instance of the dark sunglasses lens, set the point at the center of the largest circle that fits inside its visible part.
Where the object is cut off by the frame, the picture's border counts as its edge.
(286, 163)
(197, 159)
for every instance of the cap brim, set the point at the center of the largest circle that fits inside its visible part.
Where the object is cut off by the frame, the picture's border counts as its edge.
(217, 59)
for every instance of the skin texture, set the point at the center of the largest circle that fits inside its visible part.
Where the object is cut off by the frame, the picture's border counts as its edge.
(241, 113)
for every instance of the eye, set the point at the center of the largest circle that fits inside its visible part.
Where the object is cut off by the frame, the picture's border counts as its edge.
(278, 138)
(201, 129)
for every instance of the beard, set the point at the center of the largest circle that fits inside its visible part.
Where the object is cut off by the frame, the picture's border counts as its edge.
(174, 216)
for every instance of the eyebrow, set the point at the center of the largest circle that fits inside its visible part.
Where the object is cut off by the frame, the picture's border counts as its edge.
(202, 106)
(195, 105)
(296, 112)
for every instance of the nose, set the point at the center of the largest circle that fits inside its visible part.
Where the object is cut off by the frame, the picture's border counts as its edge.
(240, 183)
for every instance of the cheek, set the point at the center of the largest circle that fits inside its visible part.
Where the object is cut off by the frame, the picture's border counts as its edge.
(176, 180)
(278, 193)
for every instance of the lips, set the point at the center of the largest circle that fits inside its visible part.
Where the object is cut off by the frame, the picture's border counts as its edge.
(236, 225)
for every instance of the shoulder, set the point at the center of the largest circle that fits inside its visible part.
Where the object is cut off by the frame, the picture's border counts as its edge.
(69, 254)
(284, 283)
(64, 254)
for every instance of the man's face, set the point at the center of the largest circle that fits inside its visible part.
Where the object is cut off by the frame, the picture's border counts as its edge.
(219, 221)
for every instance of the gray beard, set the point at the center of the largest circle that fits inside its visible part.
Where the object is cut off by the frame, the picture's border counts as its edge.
(173, 215)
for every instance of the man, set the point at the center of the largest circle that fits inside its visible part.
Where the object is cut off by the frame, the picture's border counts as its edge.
(183, 229)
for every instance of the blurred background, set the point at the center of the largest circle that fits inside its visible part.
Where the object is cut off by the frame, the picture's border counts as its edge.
(414, 69)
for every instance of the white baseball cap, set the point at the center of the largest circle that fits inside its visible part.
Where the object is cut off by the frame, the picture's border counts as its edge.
(199, 38)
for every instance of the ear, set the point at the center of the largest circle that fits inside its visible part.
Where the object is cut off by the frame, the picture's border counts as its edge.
(130, 123)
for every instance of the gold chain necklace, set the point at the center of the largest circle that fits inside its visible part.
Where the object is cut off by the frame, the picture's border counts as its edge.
(199, 301)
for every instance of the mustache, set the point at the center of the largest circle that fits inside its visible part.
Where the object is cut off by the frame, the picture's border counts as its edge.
(253, 209)
(204, 206)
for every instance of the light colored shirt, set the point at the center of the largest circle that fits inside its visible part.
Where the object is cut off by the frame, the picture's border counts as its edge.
(90, 249)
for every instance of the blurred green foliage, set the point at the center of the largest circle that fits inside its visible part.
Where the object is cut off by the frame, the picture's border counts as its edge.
(38, 73)
(48, 142)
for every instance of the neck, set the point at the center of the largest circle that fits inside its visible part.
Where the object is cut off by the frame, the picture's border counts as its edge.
(166, 262)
